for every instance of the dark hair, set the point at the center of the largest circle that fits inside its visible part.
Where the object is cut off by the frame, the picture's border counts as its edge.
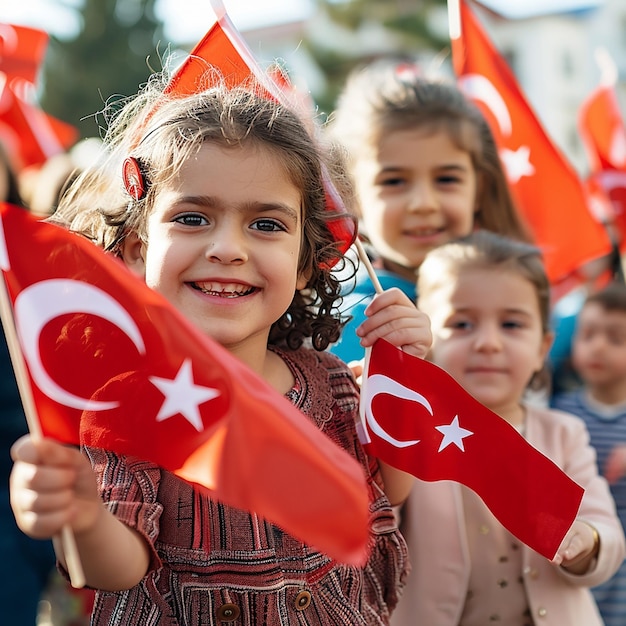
(610, 298)
(390, 95)
(162, 133)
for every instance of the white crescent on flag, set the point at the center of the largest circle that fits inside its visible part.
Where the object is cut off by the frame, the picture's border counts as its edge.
(40, 303)
(376, 384)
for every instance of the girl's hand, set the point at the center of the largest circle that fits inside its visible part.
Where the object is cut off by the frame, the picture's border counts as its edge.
(52, 485)
(392, 316)
(579, 547)
(615, 467)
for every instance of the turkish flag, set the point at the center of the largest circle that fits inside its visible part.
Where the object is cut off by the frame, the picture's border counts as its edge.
(22, 51)
(417, 418)
(30, 135)
(548, 191)
(603, 133)
(113, 365)
(223, 50)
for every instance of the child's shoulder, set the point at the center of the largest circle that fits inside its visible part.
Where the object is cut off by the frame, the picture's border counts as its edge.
(551, 419)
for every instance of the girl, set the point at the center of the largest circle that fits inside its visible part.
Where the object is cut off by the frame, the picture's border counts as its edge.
(426, 171)
(225, 216)
(488, 298)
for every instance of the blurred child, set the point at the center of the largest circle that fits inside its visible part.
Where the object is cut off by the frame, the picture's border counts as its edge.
(599, 358)
(226, 219)
(488, 299)
(426, 171)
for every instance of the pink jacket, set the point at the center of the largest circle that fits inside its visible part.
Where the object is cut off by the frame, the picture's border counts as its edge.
(433, 525)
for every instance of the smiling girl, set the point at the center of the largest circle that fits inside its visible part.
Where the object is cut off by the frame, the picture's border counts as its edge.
(222, 210)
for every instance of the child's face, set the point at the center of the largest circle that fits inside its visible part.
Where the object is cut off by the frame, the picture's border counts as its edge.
(417, 191)
(487, 334)
(599, 347)
(223, 244)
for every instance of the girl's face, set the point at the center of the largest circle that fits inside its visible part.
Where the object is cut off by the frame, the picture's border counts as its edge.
(417, 191)
(223, 244)
(599, 347)
(487, 334)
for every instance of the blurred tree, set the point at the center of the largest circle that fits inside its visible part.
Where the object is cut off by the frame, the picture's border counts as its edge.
(404, 23)
(106, 61)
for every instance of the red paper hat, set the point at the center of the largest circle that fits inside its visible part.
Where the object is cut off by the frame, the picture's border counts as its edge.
(224, 49)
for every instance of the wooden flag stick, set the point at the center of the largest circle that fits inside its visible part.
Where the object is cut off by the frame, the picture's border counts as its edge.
(454, 19)
(368, 265)
(66, 541)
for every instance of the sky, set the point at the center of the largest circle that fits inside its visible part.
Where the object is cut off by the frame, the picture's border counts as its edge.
(185, 20)
(188, 20)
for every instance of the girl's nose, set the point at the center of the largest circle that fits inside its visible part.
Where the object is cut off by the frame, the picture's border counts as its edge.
(227, 245)
(422, 197)
(488, 338)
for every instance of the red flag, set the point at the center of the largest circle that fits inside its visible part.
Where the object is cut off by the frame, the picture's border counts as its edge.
(419, 419)
(111, 358)
(22, 50)
(603, 133)
(602, 130)
(30, 135)
(223, 49)
(548, 190)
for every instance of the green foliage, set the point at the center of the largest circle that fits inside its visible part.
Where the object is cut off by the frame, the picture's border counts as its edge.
(107, 59)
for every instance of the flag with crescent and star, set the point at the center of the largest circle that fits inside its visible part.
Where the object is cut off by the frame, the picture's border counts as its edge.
(550, 195)
(417, 418)
(113, 365)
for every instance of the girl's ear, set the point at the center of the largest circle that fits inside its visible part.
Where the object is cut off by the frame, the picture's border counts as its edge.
(546, 344)
(132, 252)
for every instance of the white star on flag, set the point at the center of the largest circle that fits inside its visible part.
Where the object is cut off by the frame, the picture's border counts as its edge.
(183, 396)
(453, 433)
(517, 163)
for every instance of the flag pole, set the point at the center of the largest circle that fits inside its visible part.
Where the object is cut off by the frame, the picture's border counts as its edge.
(368, 265)
(454, 19)
(66, 538)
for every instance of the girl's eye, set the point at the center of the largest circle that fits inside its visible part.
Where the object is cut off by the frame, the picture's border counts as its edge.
(268, 225)
(191, 219)
(511, 324)
(396, 181)
(459, 324)
(448, 179)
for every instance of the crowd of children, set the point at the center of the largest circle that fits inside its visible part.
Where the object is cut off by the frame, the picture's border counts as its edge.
(226, 216)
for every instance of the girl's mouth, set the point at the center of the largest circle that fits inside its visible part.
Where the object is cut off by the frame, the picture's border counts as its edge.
(224, 290)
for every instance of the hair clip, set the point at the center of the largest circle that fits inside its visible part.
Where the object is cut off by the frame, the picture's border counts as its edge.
(133, 178)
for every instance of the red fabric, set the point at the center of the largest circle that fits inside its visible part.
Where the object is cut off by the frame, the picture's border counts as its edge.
(410, 398)
(223, 49)
(91, 332)
(22, 50)
(602, 129)
(30, 135)
(548, 191)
